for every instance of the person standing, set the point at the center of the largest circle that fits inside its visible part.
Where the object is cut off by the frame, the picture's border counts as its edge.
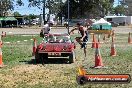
(46, 29)
(84, 37)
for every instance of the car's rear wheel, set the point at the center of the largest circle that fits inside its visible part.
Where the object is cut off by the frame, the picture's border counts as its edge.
(41, 58)
(72, 57)
(37, 56)
(44, 58)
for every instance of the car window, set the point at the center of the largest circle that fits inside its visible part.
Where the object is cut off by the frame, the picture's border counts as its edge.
(59, 39)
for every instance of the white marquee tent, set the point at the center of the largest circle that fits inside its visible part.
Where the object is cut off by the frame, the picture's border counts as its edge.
(101, 22)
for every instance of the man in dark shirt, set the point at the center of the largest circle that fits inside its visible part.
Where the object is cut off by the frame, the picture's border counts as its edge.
(84, 36)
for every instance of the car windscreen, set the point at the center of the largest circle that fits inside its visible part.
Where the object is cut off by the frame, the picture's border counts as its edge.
(59, 39)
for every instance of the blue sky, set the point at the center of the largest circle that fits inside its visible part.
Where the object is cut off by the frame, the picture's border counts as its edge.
(25, 10)
(116, 2)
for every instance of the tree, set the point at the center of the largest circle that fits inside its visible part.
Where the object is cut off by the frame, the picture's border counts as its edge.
(119, 10)
(53, 6)
(78, 8)
(32, 16)
(19, 2)
(17, 14)
(6, 5)
(85, 8)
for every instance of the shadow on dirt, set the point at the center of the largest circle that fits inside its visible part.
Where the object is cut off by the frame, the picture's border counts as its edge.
(32, 61)
(49, 61)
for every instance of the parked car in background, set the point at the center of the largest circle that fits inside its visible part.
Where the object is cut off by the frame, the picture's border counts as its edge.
(73, 22)
(34, 22)
(114, 24)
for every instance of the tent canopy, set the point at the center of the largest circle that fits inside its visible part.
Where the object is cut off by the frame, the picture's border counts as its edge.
(8, 19)
(1, 18)
(101, 22)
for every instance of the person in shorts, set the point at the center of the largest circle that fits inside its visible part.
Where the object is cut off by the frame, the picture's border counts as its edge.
(84, 36)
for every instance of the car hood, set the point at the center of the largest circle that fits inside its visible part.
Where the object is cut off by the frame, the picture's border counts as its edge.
(55, 47)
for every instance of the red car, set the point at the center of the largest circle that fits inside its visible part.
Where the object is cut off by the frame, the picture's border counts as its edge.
(55, 45)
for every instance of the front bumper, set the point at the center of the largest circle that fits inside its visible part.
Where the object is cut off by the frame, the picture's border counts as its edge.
(52, 52)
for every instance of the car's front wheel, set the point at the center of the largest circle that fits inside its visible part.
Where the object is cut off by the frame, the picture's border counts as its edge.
(44, 58)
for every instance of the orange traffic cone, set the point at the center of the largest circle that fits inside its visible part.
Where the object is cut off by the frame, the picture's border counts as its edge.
(1, 62)
(113, 51)
(98, 58)
(34, 46)
(81, 71)
(129, 38)
(93, 42)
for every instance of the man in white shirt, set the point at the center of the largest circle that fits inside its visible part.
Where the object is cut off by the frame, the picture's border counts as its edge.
(46, 28)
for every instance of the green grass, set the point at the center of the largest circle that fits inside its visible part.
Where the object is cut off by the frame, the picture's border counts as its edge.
(15, 51)
(20, 74)
(16, 38)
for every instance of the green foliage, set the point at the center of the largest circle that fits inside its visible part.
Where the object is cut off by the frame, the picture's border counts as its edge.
(119, 10)
(32, 16)
(78, 8)
(13, 52)
(17, 14)
(6, 5)
(19, 2)
(54, 6)
(86, 8)
(35, 3)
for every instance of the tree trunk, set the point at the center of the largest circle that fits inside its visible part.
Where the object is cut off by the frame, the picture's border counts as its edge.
(44, 11)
